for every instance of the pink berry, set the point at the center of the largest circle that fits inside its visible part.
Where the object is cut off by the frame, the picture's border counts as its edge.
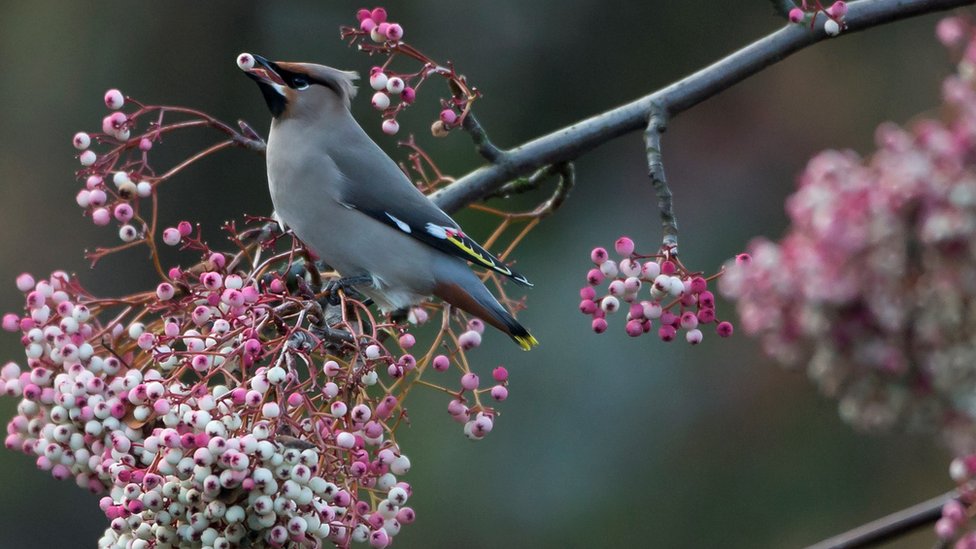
(499, 392)
(587, 292)
(668, 268)
(395, 85)
(97, 197)
(379, 538)
(394, 32)
(123, 212)
(595, 276)
(145, 144)
(837, 9)
(469, 340)
(500, 374)
(408, 95)
(407, 341)
(954, 511)
(743, 259)
(81, 141)
(362, 13)
(469, 381)
(448, 117)
(185, 228)
(669, 318)
(25, 282)
(477, 325)
(378, 79)
(634, 328)
(114, 99)
(101, 217)
(666, 332)
(406, 515)
(706, 316)
(624, 246)
(599, 255)
(599, 325)
(390, 126)
(796, 15)
(441, 363)
(945, 529)
(378, 15)
(165, 291)
(950, 31)
(587, 306)
(724, 328)
(367, 25)
(381, 101)
(11, 322)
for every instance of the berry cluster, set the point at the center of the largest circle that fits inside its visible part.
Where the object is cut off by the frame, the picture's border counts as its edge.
(872, 287)
(954, 523)
(678, 299)
(236, 403)
(395, 91)
(109, 194)
(809, 9)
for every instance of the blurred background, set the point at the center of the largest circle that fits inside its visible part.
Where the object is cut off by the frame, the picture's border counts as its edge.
(605, 441)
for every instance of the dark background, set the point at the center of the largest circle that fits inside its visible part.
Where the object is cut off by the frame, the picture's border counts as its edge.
(605, 441)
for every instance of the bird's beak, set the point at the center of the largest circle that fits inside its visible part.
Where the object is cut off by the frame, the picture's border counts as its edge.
(260, 69)
(268, 76)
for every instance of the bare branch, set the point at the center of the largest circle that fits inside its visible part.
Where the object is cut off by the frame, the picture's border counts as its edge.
(655, 169)
(569, 143)
(889, 527)
(482, 144)
(525, 184)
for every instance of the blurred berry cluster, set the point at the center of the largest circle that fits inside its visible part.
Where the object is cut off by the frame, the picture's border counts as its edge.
(873, 287)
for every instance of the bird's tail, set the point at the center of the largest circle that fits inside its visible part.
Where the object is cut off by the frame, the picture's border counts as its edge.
(469, 294)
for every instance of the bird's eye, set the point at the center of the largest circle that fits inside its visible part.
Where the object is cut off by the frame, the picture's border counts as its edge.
(299, 83)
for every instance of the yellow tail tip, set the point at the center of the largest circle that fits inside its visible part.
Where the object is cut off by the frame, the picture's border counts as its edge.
(526, 342)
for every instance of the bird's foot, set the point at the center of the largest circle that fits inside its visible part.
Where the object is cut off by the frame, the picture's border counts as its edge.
(400, 316)
(346, 285)
(332, 337)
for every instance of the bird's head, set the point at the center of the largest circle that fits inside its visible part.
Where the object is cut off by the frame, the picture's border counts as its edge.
(297, 89)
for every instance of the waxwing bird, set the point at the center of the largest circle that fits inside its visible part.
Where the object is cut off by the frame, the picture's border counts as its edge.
(352, 205)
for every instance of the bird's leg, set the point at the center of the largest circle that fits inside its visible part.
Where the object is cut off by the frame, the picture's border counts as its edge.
(322, 318)
(347, 285)
(400, 316)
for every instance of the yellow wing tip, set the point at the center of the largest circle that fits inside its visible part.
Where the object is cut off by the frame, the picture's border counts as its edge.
(526, 342)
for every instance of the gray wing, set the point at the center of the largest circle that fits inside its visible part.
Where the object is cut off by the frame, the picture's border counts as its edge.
(378, 188)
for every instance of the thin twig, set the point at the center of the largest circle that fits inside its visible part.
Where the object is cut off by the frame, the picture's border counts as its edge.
(569, 143)
(891, 526)
(656, 126)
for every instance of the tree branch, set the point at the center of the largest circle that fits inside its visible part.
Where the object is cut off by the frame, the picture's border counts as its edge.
(655, 169)
(891, 526)
(482, 144)
(569, 143)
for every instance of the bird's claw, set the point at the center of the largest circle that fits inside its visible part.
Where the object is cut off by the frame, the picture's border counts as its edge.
(346, 285)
